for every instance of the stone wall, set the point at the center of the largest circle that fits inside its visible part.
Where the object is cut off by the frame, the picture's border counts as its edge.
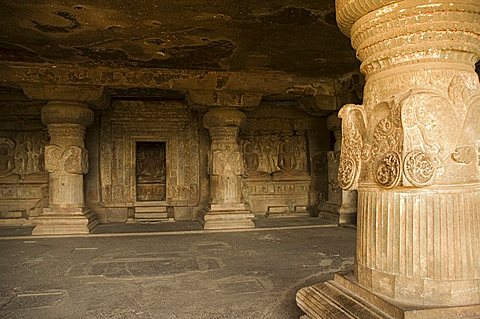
(23, 179)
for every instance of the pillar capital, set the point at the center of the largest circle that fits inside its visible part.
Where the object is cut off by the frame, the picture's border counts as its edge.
(388, 34)
(67, 112)
(223, 117)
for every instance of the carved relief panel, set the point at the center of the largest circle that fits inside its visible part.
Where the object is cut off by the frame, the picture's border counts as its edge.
(128, 124)
(272, 151)
(276, 173)
(23, 179)
(22, 153)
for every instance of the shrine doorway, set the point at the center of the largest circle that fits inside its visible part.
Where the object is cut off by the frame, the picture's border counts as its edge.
(151, 181)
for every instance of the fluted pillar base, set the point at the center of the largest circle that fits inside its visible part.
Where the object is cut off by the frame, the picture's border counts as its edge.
(64, 221)
(344, 298)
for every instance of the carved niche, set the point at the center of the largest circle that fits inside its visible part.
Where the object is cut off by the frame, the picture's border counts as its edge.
(276, 179)
(127, 123)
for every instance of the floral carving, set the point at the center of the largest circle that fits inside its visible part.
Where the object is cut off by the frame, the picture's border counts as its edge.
(388, 169)
(73, 159)
(353, 128)
(419, 168)
(463, 155)
(347, 171)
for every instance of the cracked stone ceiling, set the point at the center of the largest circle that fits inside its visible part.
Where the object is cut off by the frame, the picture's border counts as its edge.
(297, 37)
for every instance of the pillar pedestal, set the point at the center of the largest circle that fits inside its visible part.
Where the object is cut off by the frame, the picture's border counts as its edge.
(66, 161)
(412, 151)
(225, 167)
(344, 298)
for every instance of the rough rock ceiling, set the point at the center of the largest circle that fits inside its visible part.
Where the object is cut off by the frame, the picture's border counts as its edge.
(298, 37)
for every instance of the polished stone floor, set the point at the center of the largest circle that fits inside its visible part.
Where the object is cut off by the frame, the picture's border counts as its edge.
(177, 275)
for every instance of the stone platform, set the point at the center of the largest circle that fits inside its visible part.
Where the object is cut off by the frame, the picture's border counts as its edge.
(343, 298)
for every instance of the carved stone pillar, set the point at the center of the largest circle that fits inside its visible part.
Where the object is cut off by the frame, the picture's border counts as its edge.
(412, 151)
(225, 169)
(67, 116)
(66, 161)
(341, 206)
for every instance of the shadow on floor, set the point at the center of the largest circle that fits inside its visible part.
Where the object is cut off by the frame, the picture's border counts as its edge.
(11, 231)
(119, 228)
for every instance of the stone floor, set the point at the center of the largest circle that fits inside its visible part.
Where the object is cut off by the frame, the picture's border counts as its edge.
(178, 275)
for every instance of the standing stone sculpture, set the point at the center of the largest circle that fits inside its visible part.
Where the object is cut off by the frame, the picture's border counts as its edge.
(225, 167)
(411, 151)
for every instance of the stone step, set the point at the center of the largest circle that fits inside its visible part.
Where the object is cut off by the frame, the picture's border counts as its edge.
(149, 209)
(150, 216)
(150, 204)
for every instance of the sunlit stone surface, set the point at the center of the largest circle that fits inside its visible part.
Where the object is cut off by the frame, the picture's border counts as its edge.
(411, 150)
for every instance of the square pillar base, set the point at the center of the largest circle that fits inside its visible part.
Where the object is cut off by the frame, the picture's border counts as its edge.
(64, 221)
(228, 216)
(343, 298)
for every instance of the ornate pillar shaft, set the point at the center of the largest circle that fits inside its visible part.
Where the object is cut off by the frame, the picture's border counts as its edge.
(225, 169)
(225, 166)
(412, 152)
(66, 161)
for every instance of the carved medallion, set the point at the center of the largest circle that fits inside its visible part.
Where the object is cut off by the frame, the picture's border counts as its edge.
(387, 170)
(347, 172)
(419, 168)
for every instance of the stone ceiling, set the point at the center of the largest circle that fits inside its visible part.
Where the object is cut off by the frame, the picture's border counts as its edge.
(293, 37)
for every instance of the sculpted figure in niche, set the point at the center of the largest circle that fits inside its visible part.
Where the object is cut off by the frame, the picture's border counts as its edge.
(300, 152)
(250, 158)
(21, 157)
(151, 163)
(286, 156)
(7, 161)
(32, 158)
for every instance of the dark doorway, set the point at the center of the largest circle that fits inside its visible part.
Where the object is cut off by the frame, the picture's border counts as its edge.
(151, 171)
